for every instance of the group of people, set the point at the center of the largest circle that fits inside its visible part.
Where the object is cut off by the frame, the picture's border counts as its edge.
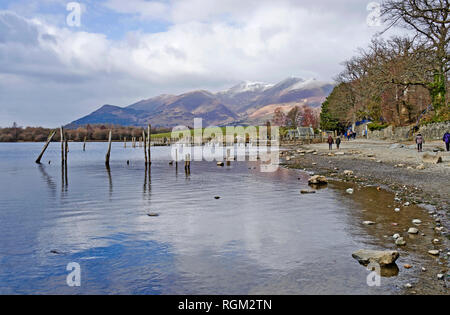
(420, 141)
(350, 134)
(331, 142)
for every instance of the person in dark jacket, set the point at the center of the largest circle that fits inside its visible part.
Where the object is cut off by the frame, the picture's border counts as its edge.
(338, 142)
(446, 139)
(330, 142)
(419, 142)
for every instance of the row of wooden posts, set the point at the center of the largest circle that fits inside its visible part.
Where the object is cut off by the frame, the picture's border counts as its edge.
(145, 139)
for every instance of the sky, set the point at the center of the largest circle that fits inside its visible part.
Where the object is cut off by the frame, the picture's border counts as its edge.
(53, 71)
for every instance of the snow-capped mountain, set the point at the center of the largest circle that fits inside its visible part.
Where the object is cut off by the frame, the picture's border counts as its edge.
(246, 102)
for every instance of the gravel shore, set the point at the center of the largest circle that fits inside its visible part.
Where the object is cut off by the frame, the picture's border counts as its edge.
(395, 167)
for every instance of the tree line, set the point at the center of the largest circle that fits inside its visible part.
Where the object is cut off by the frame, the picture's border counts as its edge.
(16, 133)
(399, 81)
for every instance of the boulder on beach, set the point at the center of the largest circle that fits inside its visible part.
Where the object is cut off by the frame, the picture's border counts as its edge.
(383, 258)
(306, 191)
(317, 180)
(348, 173)
(220, 164)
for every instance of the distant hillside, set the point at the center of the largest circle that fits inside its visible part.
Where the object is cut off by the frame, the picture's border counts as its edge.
(246, 102)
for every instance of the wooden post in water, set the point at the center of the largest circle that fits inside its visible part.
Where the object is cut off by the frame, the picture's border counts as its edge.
(61, 129)
(66, 150)
(84, 144)
(108, 154)
(149, 144)
(50, 137)
(228, 157)
(125, 142)
(187, 163)
(145, 147)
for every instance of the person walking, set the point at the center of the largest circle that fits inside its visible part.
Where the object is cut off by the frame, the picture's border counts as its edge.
(419, 142)
(338, 142)
(330, 142)
(446, 139)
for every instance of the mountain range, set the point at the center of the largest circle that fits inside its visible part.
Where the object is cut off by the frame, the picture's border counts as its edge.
(244, 104)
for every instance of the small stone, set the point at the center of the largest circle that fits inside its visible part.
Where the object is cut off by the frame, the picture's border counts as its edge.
(413, 231)
(217, 197)
(396, 236)
(440, 276)
(305, 191)
(406, 204)
(407, 266)
(416, 221)
(424, 269)
(350, 191)
(368, 223)
(420, 167)
(408, 286)
(433, 252)
(317, 180)
(400, 241)
(436, 241)
(153, 215)
(348, 173)
(397, 209)
(220, 163)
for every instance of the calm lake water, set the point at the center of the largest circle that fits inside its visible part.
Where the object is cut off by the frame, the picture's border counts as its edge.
(261, 237)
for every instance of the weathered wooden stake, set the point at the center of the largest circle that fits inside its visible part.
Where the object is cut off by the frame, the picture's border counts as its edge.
(125, 142)
(108, 154)
(149, 144)
(84, 144)
(61, 129)
(228, 157)
(50, 137)
(187, 162)
(145, 147)
(66, 150)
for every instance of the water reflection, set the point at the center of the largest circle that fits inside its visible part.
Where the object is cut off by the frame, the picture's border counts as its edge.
(48, 180)
(261, 236)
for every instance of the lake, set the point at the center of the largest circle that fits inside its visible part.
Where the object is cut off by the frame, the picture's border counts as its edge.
(261, 237)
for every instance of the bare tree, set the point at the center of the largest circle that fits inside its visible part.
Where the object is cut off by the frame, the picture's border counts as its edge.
(429, 19)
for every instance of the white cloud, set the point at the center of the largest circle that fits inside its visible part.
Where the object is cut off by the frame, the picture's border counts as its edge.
(209, 44)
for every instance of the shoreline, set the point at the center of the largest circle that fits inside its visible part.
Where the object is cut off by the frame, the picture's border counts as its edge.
(376, 164)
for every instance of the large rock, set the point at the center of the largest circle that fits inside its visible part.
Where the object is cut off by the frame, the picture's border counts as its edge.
(317, 180)
(383, 258)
